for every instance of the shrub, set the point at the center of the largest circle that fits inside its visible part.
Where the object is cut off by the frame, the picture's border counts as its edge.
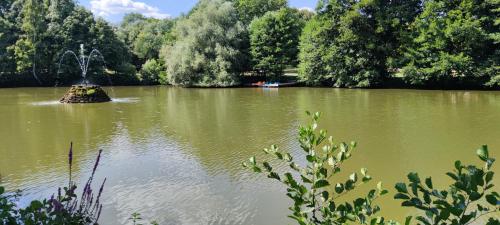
(65, 208)
(463, 201)
(150, 72)
(315, 197)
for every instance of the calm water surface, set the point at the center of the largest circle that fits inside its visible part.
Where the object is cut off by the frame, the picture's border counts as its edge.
(174, 155)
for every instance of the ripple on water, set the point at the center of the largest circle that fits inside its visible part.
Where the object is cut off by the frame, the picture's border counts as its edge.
(124, 100)
(46, 103)
(113, 100)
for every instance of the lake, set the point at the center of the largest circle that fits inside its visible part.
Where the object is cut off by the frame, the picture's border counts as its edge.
(174, 155)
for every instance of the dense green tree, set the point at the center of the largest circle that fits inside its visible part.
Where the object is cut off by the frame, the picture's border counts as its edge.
(36, 33)
(495, 36)
(349, 43)
(33, 27)
(453, 40)
(153, 72)
(207, 49)
(144, 36)
(305, 14)
(251, 9)
(313, 48)
(274, 40)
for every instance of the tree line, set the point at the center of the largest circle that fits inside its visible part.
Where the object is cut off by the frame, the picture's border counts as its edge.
(343, 43)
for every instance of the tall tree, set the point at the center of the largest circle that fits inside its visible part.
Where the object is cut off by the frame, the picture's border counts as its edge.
(354, 41)
(274, 40)
(34, 26)
(207, 49)
(251, 9)
(145, 36)
(453, 41)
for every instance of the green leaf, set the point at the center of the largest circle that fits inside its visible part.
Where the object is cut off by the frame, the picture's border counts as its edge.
(423, 220)
(488, 177)
(325, 195)
(401, 187)
(401, 196)
(408, 220)
(2, 190)
(339, 188)
(444, 214)
(305, 179)
(407, 204)
(267, 166)
(483, 153)
(474, 196)
(413, 177)
(452, 175)
(428, 182)
(320, 184)
(492, 199)
(427, 198)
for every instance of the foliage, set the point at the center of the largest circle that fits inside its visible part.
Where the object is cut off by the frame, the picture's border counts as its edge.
(144, 36)
(152, 72)
(311, 187)
(38, 32)
(313, 48)
(62, 209)
(206, 52)
(274, 40)
(249, 10)
(462, 202)
(350, 43)
(453, 40)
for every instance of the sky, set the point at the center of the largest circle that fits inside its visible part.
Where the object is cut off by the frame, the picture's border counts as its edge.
(113, 10)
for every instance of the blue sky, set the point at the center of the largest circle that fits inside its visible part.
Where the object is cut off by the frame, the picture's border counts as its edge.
(113, 10)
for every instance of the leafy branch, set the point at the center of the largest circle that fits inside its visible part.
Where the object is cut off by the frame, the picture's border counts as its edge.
(314, 187)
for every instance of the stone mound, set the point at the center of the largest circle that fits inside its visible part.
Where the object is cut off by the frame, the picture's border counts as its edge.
(85, 94)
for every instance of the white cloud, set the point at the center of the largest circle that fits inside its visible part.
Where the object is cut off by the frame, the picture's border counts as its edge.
(306, 8)
(106, 8)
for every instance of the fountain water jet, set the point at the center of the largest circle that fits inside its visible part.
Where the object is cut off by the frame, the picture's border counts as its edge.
(85, 92)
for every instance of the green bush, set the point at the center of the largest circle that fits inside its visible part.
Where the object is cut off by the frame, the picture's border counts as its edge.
(151, 72)
(315, 194)
(64, 208)
(310, 187)
(462, 202)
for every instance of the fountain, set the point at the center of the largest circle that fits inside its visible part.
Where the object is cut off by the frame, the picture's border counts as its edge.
(84, 92)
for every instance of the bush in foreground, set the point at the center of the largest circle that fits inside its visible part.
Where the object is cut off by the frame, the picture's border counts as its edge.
(315, 189)
(65, 208)
(311, 187)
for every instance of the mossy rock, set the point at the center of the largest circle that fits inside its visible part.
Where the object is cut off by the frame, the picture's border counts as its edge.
(85, 94)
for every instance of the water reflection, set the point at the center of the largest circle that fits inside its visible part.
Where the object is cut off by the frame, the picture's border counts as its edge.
(174, 154)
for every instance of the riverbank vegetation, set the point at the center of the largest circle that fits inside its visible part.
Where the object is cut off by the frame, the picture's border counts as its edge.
(416, 43)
